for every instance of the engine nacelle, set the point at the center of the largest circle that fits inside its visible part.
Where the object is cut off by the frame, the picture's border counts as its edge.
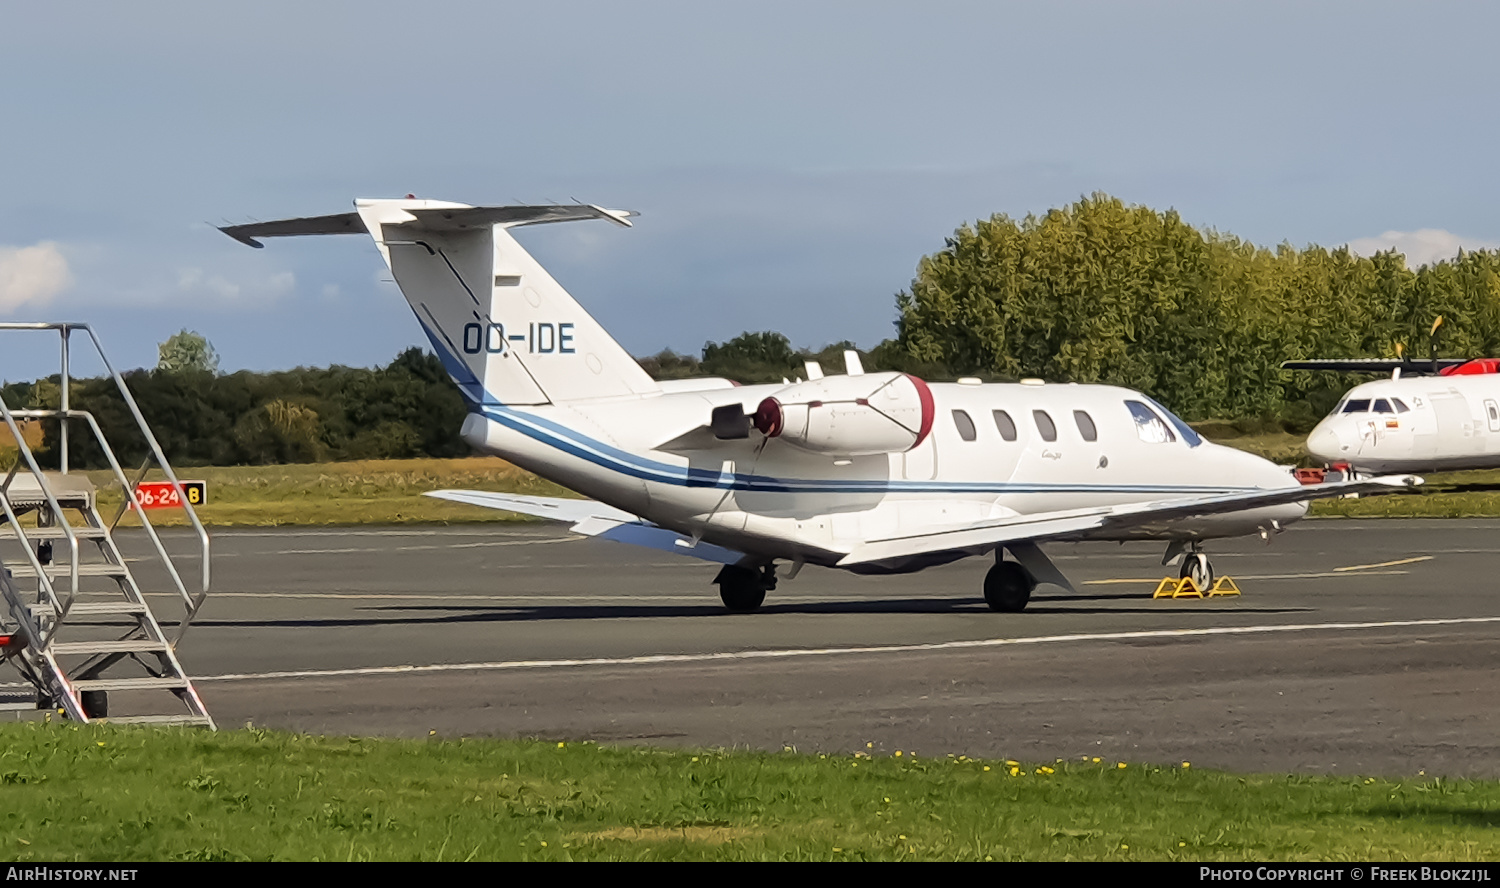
(850, 415)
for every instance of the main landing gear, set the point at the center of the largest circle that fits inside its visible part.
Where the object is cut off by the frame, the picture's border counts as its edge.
(1007, 587)
(743, 589)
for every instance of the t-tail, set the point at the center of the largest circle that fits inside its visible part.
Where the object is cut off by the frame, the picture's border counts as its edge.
(506, 331)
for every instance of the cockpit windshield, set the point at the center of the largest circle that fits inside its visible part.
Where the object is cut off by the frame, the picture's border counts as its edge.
(1148, 425)
(1356, 405)
(1192, 438)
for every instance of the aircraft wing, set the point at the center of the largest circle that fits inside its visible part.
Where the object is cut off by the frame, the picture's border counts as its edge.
(1078, 523)
(595, 519)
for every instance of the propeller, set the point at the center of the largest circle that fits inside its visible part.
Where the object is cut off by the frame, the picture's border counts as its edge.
(1432, 343)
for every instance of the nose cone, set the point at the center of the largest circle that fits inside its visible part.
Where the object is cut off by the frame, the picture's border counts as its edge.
(1326, 444)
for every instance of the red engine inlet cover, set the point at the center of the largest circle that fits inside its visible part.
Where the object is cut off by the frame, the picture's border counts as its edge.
(768, 420)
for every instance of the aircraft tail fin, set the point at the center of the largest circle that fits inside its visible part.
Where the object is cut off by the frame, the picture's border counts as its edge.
(506, 330)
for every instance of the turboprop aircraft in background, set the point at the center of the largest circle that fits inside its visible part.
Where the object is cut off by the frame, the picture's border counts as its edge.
(1435, 415)
(868, 472)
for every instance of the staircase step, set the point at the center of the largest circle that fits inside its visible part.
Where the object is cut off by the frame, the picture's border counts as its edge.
(70, 491)
(93, 608)
(17, 701)
(55, 571)
(128, 684)
(130, 646)
(8, 532)
(157, 720)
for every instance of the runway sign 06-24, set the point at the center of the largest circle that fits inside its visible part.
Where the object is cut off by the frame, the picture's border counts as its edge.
(162, 495)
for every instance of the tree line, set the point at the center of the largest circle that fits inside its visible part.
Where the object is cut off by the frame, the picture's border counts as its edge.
(1104, 292)
(407, 408)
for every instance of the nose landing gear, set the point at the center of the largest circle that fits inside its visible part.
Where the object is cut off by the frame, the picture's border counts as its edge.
(1199, 569)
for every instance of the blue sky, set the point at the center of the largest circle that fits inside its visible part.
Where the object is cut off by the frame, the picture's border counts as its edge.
(792, 161)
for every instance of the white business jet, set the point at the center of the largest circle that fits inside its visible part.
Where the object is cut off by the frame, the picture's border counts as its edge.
(1437, 416)
(869, 472)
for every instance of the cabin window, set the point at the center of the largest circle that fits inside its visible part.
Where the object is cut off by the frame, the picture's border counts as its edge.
(1382, 406)
(1150, 427)
(1400, 407)
(1045, 425)
(1085, 426)
(965, 425)
(1005, 425)
(1356, 405)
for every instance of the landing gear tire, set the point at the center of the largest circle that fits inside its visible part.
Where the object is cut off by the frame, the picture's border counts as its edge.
(742, 589)
(1007, 587)
(1200, 569)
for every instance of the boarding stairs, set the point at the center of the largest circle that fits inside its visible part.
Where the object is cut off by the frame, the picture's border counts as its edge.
(75, 621)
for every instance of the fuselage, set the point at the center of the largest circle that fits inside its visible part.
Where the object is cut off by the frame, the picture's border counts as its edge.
(1415, 424)
(992, 452)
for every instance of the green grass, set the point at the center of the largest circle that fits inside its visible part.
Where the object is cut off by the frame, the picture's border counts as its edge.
(1450, 495)
(361, 492)
(97, 793)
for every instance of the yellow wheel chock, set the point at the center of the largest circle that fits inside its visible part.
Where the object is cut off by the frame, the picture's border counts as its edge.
(1224, 586)
(1171, 587)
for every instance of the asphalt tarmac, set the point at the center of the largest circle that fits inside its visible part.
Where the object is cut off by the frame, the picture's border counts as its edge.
(1357, 647)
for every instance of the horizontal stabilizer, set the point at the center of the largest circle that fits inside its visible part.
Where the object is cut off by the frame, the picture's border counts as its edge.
(342, 223)
(454, 217)
(1081, 523)
(595, 519)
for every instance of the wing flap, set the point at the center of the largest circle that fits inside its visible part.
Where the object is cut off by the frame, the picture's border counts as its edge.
(574, 511)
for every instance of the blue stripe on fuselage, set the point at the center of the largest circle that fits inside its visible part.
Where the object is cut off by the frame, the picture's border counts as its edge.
(573, 443)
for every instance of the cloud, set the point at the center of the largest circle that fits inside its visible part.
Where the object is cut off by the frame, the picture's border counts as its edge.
(1422, 247)
(217, 288)
(32, 275)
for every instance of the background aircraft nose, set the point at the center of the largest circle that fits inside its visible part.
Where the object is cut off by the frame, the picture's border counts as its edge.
(1324, 443)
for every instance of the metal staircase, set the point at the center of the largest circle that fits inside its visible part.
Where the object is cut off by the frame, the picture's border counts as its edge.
(76, 623)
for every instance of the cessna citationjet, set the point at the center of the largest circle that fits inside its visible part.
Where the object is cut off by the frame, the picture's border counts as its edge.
(868, 472)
